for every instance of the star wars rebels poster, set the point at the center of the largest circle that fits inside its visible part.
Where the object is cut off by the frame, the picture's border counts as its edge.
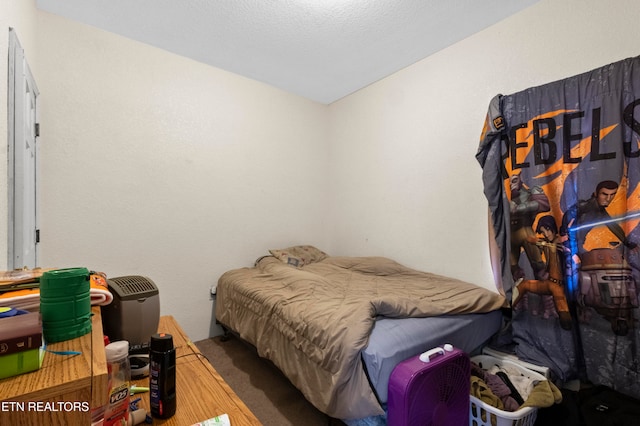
(561, 173)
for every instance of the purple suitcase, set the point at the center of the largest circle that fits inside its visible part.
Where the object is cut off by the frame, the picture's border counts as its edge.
(430, 389)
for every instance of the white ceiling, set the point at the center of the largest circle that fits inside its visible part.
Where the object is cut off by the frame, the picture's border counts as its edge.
(320, 49)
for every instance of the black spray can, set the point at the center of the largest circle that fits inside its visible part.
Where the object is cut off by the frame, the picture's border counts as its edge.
(162, 376)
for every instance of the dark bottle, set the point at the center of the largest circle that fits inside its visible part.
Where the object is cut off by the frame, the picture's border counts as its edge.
(162, 376)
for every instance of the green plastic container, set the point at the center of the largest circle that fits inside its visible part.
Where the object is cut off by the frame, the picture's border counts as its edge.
(65, 304)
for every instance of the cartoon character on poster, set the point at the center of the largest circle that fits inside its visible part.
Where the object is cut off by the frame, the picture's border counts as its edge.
(603, 250)
(587, 253)
(542, 245)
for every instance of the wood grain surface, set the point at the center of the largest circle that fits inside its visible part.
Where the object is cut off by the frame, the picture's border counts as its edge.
(201, 393)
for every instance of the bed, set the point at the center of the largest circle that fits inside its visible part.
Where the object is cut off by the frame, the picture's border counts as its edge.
(336, 326)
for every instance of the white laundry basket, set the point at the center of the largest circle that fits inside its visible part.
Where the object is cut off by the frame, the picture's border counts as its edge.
(483, 414)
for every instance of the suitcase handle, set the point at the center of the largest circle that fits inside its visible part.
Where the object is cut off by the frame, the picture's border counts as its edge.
(426, 356)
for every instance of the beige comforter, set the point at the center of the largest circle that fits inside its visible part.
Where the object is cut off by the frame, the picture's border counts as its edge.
(313, 322)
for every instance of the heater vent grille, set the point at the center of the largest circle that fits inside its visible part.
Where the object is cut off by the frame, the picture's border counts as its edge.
(133, 285)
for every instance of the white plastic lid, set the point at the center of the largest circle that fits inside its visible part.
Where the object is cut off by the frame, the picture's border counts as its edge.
(117, 350)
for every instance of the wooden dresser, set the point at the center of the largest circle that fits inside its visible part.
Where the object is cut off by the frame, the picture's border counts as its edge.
(66, 387)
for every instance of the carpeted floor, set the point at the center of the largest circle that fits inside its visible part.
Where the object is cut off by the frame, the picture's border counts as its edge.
(262, 387)
(276, 402)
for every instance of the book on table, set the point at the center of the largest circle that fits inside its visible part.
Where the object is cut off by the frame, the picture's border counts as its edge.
(21, 344)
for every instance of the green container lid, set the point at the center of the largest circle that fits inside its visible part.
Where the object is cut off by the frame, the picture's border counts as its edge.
(62, 282)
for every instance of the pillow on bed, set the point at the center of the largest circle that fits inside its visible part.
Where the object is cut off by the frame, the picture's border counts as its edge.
(299, 256)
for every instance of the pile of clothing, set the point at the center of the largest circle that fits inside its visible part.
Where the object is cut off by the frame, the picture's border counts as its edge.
(20, 288)
(507, 389)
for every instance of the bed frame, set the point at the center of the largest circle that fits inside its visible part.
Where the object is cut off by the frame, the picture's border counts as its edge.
(256, 299)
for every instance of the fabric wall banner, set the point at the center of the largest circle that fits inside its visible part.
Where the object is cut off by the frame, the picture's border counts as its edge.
(561, 172)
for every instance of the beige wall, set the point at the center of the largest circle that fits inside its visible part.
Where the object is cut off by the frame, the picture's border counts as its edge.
(405, 177)
(157, 165)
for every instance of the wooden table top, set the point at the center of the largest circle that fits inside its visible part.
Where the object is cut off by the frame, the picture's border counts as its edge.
(201, 393)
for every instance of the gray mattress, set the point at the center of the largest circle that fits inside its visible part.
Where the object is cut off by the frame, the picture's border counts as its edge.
(393, 340)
